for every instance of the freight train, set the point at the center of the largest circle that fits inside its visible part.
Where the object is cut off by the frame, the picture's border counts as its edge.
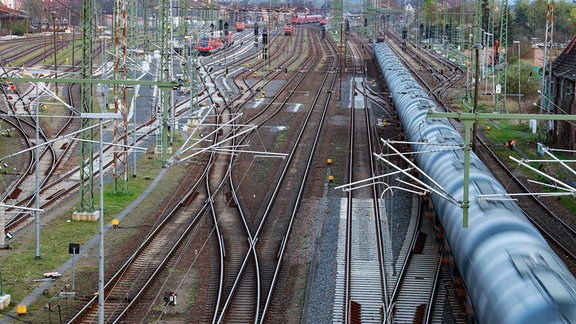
(210, 44)
(509, 272)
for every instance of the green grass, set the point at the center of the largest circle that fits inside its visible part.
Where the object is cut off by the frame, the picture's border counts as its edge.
(280, 138)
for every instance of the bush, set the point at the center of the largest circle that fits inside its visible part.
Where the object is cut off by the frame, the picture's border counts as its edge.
(530, 81)
(19, 29)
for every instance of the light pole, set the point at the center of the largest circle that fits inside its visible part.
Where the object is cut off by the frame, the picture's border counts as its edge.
(37, 160)
(518, 42)
(101, 117)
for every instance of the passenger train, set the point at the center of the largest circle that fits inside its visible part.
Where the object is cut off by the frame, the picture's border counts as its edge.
(307, 19)
(509, 272)
(211, 43)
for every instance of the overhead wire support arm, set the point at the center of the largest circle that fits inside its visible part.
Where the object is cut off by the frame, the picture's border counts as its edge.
(442, 193)
(468, 119)
(161, 84)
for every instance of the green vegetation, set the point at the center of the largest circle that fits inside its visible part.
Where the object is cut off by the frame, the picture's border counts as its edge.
(281, 137)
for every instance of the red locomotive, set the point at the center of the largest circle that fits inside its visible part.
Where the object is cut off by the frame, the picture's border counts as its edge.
(240, 26)
(287, 30)
(209, 44)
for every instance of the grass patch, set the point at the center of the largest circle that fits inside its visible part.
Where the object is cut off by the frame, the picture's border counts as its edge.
(280, 138)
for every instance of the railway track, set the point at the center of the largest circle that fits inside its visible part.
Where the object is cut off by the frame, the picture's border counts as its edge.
(361, 282)
(262, 275)
(231, 207)
(134, 278)
(223, 209)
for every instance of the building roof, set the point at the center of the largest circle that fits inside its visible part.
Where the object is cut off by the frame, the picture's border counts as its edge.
(565, 65)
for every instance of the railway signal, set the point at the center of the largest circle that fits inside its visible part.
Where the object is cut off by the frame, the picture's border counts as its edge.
(255, 34)
(264, 36)
(170, 298)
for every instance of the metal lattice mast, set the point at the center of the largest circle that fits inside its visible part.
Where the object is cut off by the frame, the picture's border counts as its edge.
(545, 102)
(132, 34)
(462, 25)
(437, 8)
(163, 115)
(193, 76)
(145, 5)
(338, 11)
(444, 25)
(477, 22)
(120, 170)
(502, 57)
(426, 18)
(86, 147)
(475, 39)
(491, 27)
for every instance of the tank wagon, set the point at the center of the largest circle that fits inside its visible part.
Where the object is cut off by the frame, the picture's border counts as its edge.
(509, 272)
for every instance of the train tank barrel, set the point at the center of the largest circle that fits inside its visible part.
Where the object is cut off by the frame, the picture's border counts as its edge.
(510, 273)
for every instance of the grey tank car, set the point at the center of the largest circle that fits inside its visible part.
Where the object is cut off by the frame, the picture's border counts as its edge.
(510, 273)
